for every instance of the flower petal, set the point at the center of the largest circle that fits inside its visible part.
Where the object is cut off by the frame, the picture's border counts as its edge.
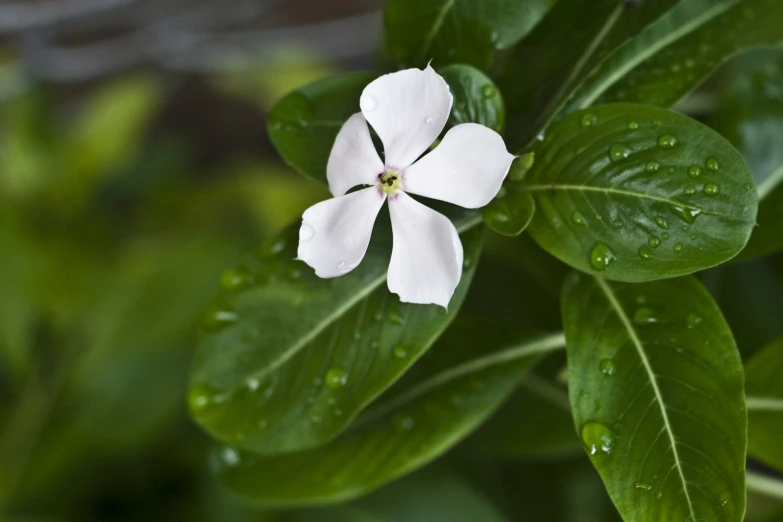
(466, 168)
(426, 260)
(335, 233)
(408, 109)
(353, 160)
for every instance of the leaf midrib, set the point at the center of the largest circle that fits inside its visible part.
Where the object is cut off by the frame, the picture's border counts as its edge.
(628, 193)
(615, 304)
(540, 345)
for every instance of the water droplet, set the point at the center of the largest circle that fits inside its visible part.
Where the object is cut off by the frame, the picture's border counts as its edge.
(690, 190)
(654, 242)
(645, 252)
(403, 422)
(607, 367)
(395, 317)
(200, 397)
(588, 120)
(229, 456)
(336, 378)
(667, 141)
(688, 215)
(652, 166)
(661, 222)
(429, 120)
(693, 236)
(488, 91)
(235, 279)
(617, 224)
(400, 352)
(219, 315)
(747, 186)
(633, 125)
(341, 265)
(315, 419)
(368, 103)
(643, 486)
(694, 171)
(646, 316)
(723, 498)
(619, 151)
(306, 232)
(253, 384)
(578, 219)
(692, 320)
(598, 438)
(712, 164)
(712, 189)
(665, 235)
(601, 256)
(678, 247)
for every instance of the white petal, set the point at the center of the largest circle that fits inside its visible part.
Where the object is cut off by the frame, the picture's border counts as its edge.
(426, 261)
(408, 109)
(466, 168)
(335, 233)
(353, 160)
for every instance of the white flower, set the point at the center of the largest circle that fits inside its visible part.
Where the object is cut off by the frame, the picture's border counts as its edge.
(408, 110)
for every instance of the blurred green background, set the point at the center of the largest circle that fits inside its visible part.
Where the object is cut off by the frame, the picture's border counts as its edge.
(134, 168)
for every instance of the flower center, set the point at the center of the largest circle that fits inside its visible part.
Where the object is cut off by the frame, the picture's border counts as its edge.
(390, 182)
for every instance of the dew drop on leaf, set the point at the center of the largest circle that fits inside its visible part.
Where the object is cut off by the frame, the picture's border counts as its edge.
(667, 141)
(712, 164)
(607, 367)
(694, 171)
(690, 190)
(336, 378)
(395, 317)
(661, 222)
(578, 219)
(688, 215)
(400, 352)
(646, 316)
(617, 224)
(619, 151)
(601, 256)
(652, 166)
(598, 438)
(678, 247)
(235, 279)
(633, 125)
(645, 252)
(488, 91)
(643, 486)
(654, 242)
(712, 189)
(219, 315)
(588, 120)
(692, 319)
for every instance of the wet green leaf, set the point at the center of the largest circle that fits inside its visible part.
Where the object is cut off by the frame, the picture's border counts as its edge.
(764, 389)
(543, 70)
(638, 193)
(656, 387)
(476, 99)
(450, 392)
(456, 31)
(287, 359)
(677, 68)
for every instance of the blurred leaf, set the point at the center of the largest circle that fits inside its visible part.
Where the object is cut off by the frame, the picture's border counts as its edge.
(674, 70)
(764, 389)
(511, 211)
(476, 99)
(427, 496)
(656, 387)
(639, 193)
(451, 391)
(534, 423)
(106, 132)
(541, 72)
(287, 359)
(463, 31)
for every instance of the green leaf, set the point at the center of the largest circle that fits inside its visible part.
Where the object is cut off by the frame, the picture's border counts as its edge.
(752, 119)
(449, 31)
(764, 389)
(450, 392)
(304, 124)
(534, 423)
(685, 17)
(427, 496)
(511, 211)
(287, 359)
(656, 387)
(476, 99)
(639, 193)
(677, 68)
(542, 72)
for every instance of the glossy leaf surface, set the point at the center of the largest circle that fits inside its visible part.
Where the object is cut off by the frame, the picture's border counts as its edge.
(638, 193)
(764, 388)
(476, 99)
(287, 359)
(451, 391)
(656, 387)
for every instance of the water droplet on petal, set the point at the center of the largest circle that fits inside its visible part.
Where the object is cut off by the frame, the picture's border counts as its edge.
(368, 103)
(598, 438)
(341, 265)
(306, 232)
(429, 120)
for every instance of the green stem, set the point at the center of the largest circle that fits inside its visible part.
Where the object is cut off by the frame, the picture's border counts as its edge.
(764, 485)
